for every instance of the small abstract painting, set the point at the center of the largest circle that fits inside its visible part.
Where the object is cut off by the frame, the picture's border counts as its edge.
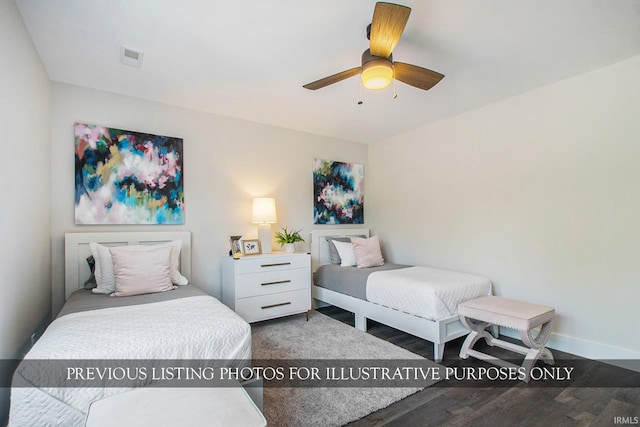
(338, 192)
(125, 177)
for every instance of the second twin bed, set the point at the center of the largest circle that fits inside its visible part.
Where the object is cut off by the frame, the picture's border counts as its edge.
(422, 301)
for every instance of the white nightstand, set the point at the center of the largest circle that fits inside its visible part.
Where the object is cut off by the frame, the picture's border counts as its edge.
(260, 287)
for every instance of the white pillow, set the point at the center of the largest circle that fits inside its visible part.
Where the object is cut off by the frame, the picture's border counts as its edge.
(347, 255)
(105, 280)
(141, 272)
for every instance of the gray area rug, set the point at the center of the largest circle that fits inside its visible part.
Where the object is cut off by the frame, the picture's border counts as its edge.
(323, 338)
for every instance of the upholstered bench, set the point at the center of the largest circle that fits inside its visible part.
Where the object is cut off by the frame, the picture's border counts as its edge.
(166, 406)
(480, 313)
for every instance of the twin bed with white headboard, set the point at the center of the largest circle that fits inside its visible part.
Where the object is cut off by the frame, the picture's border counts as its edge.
(182, 324)
(76, 251)
(417, 300)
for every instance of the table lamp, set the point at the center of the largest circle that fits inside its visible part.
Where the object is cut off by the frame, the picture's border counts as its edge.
(264, 214)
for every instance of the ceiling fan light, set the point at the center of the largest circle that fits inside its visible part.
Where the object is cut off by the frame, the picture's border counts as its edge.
(377, 73)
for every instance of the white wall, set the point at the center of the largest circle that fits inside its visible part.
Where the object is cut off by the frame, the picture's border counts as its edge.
(227, 162)
(539, 193)
(25, 213)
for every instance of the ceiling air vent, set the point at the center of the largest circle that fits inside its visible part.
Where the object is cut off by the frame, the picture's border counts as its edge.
(131, 57)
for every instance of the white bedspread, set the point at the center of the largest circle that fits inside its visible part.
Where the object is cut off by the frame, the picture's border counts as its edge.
(198, 327)
(426, 292)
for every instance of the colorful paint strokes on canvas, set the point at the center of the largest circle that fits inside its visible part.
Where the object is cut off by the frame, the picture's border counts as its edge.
(125, 177)
(338, 192)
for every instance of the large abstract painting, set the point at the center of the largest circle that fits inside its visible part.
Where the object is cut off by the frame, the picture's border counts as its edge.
(338, 192)
(125, 177)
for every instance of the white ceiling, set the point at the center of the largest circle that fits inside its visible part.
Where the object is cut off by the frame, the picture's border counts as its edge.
(249, 58)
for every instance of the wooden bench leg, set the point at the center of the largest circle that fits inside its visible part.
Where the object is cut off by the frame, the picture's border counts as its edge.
(535, 346)
(478, 331)
(539, 342)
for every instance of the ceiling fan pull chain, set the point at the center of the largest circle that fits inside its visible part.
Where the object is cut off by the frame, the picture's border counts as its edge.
(395, 93)
(360, 101)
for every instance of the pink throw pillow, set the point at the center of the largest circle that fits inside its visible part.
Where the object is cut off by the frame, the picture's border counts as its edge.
(367, 252)
(141, 272)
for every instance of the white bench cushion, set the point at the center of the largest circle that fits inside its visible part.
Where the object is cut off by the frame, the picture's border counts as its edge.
(156, 406)
(510, 313)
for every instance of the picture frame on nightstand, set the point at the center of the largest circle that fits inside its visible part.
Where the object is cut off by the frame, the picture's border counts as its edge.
(236, 246)
(251, 247)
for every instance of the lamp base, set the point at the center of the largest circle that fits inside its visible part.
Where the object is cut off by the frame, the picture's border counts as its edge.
(264, 234)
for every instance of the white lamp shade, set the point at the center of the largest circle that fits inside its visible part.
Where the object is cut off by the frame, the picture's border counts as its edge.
(264, 211)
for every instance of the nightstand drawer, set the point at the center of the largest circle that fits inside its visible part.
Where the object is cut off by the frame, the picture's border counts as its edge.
(270, 282)
(273, 305)
(272, 263)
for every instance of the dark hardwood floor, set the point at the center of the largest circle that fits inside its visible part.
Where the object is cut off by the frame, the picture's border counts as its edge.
(585, 402)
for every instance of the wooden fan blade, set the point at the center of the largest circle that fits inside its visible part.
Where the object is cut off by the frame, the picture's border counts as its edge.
(387, 26)
(416, 76)
(319, 84)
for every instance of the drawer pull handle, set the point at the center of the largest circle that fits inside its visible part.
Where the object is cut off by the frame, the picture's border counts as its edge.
(275, 264)
(264, 307)
(275, 283)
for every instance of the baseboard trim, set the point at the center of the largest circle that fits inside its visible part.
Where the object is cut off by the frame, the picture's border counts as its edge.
(617, 356)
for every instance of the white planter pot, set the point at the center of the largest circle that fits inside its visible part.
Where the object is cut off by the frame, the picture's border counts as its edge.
(289, 247)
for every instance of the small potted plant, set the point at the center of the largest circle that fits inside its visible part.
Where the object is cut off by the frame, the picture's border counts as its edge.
(286, 239)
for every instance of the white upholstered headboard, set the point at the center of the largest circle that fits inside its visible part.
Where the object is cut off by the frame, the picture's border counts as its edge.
(76, 251)
(320, 247)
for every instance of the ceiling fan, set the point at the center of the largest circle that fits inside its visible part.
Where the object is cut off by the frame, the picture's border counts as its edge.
(378, 68)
